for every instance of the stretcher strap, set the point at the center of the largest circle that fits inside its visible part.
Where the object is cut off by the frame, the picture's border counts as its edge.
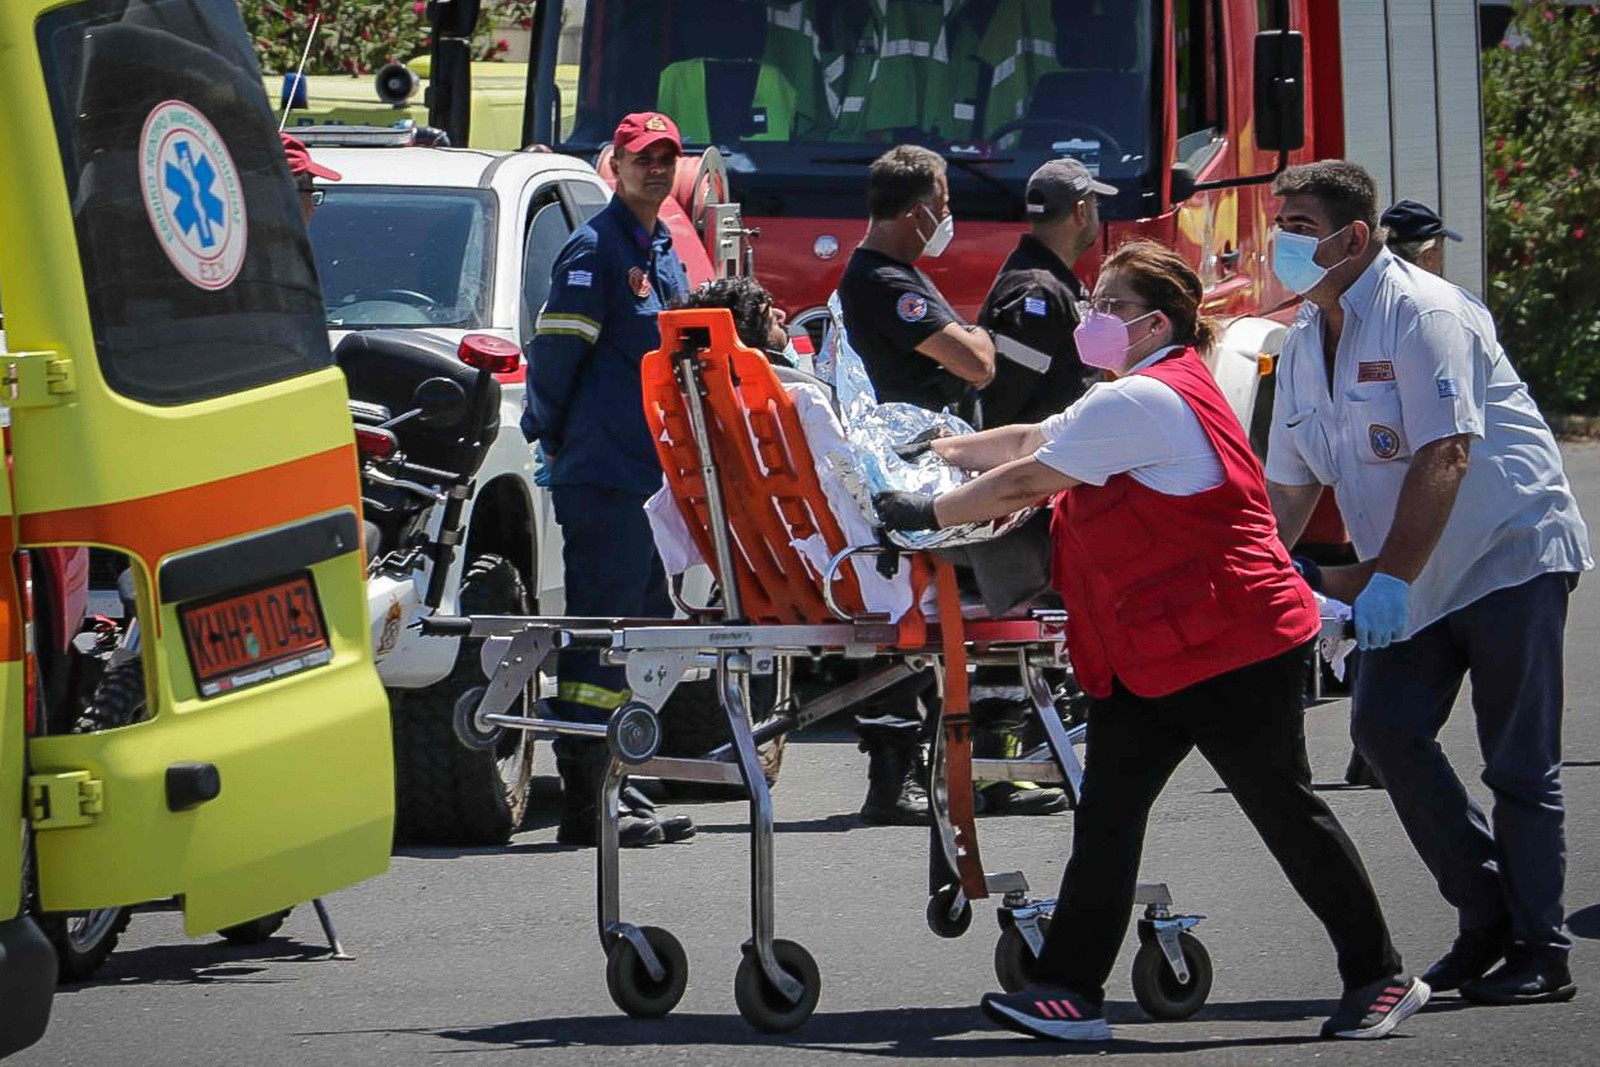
(958, 735)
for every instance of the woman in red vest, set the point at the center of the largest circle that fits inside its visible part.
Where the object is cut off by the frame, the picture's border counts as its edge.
(1187, 625)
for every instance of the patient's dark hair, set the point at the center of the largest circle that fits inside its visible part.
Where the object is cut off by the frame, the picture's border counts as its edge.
(745, 297)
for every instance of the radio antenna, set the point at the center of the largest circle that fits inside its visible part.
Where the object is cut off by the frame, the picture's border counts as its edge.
(288, 100)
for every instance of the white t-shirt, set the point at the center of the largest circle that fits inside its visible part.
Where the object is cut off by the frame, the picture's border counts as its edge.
(1135, 425)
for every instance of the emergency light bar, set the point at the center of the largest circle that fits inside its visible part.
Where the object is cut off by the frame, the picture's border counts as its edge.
(400, 135)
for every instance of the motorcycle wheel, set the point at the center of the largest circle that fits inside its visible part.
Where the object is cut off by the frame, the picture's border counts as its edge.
(445, 792)
(85, 940)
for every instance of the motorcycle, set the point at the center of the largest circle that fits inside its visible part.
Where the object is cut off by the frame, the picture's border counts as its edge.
(426, 414)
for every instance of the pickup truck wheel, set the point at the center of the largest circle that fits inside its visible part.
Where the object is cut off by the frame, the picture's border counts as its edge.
(693, 724)
(85, 940)
(445, 792)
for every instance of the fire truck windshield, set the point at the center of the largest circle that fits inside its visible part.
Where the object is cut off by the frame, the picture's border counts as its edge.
(798, 92)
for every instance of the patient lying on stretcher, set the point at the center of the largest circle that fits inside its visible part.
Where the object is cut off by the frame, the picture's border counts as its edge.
(858, 449)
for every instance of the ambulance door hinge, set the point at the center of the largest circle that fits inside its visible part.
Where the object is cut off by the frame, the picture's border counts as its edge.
(65, 799)
(37, 379)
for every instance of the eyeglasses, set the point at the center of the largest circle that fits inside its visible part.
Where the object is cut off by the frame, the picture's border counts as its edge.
(1107, 305)
(316, 195)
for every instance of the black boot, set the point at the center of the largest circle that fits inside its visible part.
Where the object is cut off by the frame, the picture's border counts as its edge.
(896, 794)
(581, 770)
(674, 828)
(997, 734)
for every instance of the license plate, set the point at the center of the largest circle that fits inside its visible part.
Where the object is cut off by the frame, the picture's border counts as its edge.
(247, 638)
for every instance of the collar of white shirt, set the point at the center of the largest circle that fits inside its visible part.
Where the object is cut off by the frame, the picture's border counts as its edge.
(1356, 299)
(1155, 357)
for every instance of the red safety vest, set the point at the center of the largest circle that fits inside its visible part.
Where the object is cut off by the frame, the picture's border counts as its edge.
(1167, 591)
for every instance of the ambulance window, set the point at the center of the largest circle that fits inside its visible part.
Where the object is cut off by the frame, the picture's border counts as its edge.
(1198, 50)
(195, 262)
(587, 199)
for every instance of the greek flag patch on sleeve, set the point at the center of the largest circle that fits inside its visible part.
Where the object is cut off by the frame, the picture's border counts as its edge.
(580, 279)
(1034, 305)
(1448, 387)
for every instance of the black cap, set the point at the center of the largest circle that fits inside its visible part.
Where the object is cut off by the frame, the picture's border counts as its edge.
(1409, 221)
(1057, 186)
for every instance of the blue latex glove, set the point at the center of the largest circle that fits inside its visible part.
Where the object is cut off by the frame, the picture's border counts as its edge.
(1380, 611)
(541, 466)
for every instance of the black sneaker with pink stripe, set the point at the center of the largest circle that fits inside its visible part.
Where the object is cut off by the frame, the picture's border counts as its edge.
(1044, 1011)
(1376, 1009)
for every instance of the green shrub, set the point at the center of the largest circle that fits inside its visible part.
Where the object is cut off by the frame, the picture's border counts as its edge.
(1541, 103)
(359, 36)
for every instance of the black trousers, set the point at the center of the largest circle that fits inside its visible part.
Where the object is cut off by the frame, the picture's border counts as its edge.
(1249, 724)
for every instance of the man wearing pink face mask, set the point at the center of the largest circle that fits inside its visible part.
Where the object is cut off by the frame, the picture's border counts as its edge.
(1188, 627)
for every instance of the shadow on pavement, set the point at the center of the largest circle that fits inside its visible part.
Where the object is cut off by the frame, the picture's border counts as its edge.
(199, 963)
(1585, 923)
(903, 1033)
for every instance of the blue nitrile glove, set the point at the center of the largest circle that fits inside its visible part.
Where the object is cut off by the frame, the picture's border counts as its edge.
(541, 466)
(905, 511)
(1380, 611)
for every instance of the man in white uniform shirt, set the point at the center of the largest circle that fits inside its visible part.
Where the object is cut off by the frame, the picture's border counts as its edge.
(1393, 389)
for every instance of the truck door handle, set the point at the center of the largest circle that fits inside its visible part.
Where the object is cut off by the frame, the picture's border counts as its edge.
(1228, 260)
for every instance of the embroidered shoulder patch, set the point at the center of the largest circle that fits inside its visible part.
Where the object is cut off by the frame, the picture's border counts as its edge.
(912, 307)
(1448, 387)
(581, 279)
(1034, 305)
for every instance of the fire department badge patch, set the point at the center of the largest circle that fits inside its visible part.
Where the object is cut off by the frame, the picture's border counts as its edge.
(638, 282)
(1384, 441)
(655, 124)
(912, 308)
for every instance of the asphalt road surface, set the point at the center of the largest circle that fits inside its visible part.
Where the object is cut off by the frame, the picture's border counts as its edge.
(486, 956)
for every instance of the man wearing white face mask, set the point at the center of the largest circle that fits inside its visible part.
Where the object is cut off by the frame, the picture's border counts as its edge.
(1393, 389)
(1188, 628)
(915, 347)
(916, 350)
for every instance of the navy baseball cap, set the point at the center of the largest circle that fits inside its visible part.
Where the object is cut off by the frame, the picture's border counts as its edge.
(1409, 221)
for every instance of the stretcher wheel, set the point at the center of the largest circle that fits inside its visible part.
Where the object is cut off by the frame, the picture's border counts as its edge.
(634, 733)
(464, 721)
(629, 982)
(940, 920)
(762, 1006)
(1015, 965)
(1158, 990)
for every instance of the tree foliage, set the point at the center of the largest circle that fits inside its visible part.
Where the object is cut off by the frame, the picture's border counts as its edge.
(359, 36)
(1541, 98)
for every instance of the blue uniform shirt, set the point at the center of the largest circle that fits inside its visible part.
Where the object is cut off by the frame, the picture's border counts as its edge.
(584, 402)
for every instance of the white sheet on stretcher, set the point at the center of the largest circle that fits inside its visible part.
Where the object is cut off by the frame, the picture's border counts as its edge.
(1332, 643)
(837, 463)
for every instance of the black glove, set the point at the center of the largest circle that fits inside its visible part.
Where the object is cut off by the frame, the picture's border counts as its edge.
(905, 511)
(1309, 571)
(919, 444)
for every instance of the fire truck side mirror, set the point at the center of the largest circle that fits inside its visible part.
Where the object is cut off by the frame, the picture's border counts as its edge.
(1280, 91)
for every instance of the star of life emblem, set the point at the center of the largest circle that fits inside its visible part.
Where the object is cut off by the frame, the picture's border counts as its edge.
(192, 195)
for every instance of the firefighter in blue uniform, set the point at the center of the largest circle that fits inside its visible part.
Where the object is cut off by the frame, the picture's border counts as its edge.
(585, 408)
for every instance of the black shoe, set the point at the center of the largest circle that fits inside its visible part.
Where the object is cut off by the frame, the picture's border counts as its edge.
(674, 828)
(580, 808)
(896, 795)
(1044, 1011)
(1524, 978)
(1360, 773)
(1473, 953)
(1019, 798)
(1376, 1009)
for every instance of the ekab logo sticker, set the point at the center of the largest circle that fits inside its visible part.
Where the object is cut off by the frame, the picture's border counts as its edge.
(192, 195)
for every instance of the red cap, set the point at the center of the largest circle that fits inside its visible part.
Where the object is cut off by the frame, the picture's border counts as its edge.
(300, 161)
(642, 129)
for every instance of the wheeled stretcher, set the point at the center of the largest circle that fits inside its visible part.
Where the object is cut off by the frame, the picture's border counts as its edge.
(737, 461)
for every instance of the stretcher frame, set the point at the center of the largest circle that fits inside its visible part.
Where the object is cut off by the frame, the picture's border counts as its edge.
(777, 985)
